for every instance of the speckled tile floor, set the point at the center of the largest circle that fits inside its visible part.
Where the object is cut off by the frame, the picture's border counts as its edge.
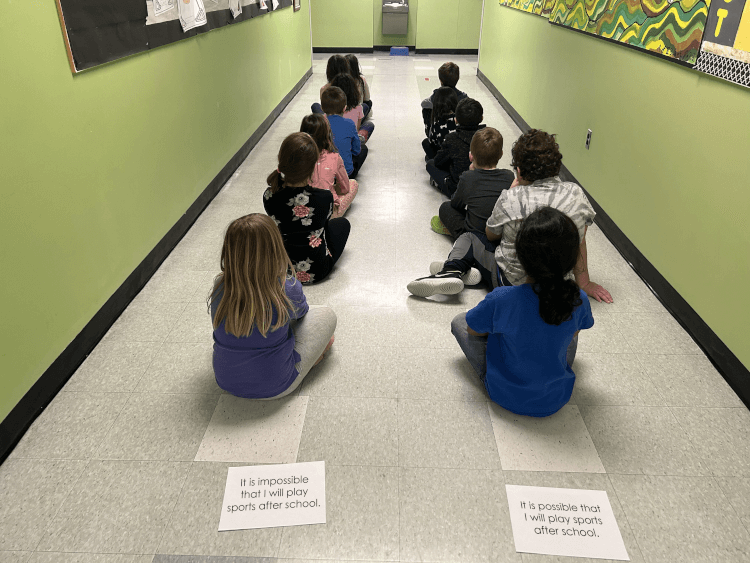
(128, 463)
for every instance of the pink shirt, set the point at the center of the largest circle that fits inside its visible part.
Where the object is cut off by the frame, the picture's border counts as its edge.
(355, 114)
(330, 167)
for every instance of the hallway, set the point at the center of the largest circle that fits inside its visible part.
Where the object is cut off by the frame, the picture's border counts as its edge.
(131, 457)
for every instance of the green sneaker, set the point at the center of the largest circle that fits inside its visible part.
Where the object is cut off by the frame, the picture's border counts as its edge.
(438, 227)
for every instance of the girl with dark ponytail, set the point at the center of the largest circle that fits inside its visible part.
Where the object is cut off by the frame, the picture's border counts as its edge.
(521, 340)
(547, 245)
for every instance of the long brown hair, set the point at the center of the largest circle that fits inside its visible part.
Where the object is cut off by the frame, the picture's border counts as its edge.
(356, 73)
(297, 158)
(254, 267)
(316, 125)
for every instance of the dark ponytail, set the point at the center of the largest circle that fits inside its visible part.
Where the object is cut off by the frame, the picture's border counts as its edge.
(548, 245)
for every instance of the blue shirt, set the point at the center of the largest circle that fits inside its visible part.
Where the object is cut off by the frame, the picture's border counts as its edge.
(258, 366)
(346, 139)
(527, 369)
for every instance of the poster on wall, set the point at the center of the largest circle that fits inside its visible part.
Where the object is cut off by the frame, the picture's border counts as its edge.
(669, 28)
(725, 51)
(538, 7)
(97, 32)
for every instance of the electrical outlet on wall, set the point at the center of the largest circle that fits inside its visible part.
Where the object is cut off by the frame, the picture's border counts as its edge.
(588, 139)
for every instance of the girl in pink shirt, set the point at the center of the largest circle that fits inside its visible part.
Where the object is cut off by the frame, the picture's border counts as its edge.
(330, 173)
(353, 107)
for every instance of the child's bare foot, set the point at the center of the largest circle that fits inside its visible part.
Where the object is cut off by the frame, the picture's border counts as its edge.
(323, 355)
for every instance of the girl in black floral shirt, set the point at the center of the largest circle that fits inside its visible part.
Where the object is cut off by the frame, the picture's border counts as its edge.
(312, 239)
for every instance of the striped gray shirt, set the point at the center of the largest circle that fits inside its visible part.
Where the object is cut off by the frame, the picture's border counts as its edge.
(518, 203)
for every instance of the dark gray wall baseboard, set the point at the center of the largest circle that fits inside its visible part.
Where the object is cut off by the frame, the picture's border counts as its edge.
(342, 49)
(13, 427)
(447, 51)
(730, 367)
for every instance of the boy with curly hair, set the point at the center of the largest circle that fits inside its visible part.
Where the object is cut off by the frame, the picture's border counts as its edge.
(491, 256)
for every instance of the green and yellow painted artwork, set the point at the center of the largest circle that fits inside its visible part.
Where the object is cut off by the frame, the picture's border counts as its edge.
(539, 7)
(671, 28)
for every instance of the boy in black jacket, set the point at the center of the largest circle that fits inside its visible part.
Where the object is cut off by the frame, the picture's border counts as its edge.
(452, 159)
(448, 74)
(478, 189)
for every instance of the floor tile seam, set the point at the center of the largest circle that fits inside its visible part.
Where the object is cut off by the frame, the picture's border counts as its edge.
(172, 511)
(171, 393)
(397, 398)
(49, 528)
(692, 443)
(143, 374)
(726, 498)
(103, 441)
(740, 408)
(674, 418)
(174, 325)
(627, 520)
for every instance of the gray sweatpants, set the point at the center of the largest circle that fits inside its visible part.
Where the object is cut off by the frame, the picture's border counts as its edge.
(475, 347)
(311, 336)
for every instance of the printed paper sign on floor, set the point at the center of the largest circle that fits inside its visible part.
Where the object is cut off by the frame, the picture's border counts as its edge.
(572, 522)
(268, 496)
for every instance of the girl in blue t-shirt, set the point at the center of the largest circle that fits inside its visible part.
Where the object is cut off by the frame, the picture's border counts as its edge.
(266, 337)
(521, 340)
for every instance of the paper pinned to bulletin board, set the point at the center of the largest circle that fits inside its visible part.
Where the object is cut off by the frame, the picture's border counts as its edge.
(725, 51)
(97, 32)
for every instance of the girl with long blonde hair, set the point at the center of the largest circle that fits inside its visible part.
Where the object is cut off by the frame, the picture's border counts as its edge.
(266, 336)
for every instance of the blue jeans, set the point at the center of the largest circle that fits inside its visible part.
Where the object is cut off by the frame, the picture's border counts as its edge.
(475, 347)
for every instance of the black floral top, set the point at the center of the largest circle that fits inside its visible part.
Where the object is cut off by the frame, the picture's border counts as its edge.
(302, 217)
(441, 129)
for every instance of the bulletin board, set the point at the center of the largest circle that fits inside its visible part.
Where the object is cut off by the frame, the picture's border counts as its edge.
(101, 31)
(725, 51)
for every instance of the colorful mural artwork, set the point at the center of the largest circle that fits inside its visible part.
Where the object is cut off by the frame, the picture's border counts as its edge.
(671, 28)
(539, 7)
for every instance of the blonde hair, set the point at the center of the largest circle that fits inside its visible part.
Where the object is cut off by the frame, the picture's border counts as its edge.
(254, 268)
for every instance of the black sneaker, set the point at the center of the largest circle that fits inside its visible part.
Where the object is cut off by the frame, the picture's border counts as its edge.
(443, 283)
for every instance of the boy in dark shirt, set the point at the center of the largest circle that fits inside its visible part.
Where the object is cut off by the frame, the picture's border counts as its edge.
(345, 136)
(452, 159)
(478, 188)
(448, 74)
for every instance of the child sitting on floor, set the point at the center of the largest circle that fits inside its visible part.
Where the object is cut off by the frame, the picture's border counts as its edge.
(353, 109)
(330, 173)
(356, 72)
(448, 74)
(266, 337)
(336, 65)
(521, 340)
(452, 159)
(442, 122)
(478, 188)
(345, 136)
(312, 239)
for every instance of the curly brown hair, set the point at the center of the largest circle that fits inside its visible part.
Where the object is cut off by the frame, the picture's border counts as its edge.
(537, 155)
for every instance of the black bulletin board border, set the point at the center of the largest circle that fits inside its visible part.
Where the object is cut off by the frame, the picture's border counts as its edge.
(97, 33)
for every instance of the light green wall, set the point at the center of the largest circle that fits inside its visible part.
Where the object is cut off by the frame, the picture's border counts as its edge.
(433, 24)
(670, 154)
(97, 167)
(341, 23)
(449, 24)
